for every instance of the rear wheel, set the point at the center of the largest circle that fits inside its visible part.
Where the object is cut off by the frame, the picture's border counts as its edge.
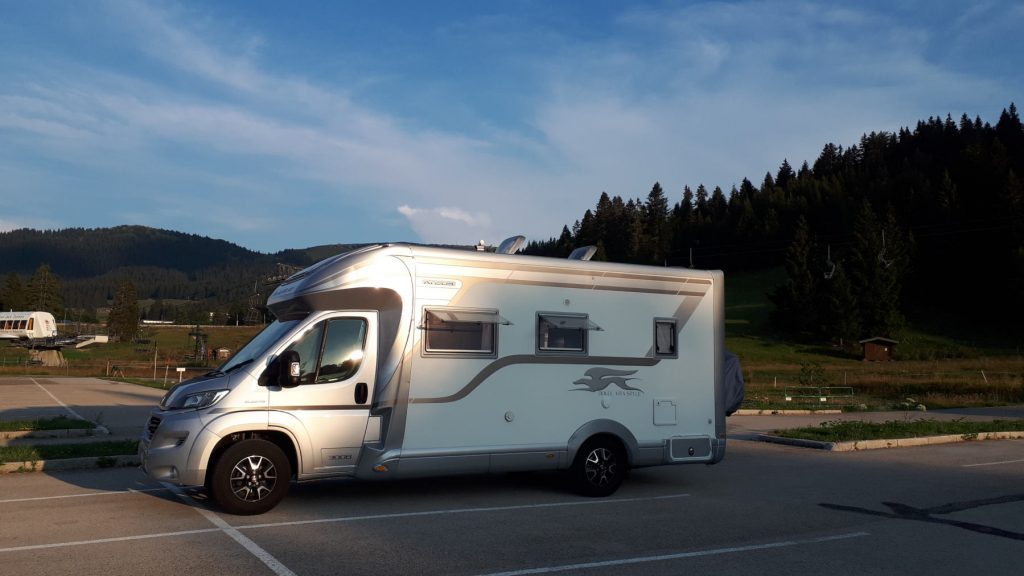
(599, 468)
(250, 477)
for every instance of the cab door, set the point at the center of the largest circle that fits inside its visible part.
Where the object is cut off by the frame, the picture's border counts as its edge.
(338, 363)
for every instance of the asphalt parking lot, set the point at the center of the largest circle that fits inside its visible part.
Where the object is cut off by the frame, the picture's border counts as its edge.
(766, 509)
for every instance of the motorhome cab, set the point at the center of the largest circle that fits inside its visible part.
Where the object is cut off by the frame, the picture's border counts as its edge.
(399, 361)
(27, 325)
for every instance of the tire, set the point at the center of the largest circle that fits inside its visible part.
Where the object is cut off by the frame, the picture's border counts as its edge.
(250, 477)
(599, 468)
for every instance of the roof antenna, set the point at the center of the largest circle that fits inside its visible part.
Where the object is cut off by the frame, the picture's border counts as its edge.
(881, 255)
(832, 265)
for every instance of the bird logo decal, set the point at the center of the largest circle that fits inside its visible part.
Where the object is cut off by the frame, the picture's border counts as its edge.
(597, 379)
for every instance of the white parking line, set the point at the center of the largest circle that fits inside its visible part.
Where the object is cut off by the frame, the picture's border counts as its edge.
(101, 429)
(254, 548)
(992, 463)
(108, 540)
(111, 493)
(681, 555)
(233, 531)
(459, 511)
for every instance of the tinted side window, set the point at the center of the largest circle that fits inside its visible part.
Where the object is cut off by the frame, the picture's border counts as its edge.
(343, 349)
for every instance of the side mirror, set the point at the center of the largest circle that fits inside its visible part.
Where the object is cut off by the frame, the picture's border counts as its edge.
(289, 369)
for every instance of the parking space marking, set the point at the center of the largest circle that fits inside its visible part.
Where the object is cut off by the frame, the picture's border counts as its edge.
(992, 463)
(100, 429)
(254, 548)
(108, 540)
(458, 511)
(110, 493)
(679, 556)
(280, 569)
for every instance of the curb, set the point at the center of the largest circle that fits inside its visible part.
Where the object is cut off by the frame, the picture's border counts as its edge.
(770, 412)
(60, 433)
(70, 464)
(893, 443)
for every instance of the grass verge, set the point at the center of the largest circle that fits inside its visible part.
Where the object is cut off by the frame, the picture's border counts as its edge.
(58, 451)
(855, 430)
(56, 423)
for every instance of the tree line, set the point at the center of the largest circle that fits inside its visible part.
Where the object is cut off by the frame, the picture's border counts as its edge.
(926, 221)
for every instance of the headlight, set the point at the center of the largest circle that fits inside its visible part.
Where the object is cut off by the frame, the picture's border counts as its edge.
(202, 399)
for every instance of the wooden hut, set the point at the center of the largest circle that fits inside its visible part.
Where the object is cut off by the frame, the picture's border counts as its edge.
(878, 349)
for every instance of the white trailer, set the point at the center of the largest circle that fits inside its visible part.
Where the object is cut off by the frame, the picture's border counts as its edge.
(397, 361)
(27, 326)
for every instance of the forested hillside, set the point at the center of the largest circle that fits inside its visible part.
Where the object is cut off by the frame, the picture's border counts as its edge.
(81, 269)
(926, 222)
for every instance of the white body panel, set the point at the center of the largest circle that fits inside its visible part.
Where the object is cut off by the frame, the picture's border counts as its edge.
(27, 325)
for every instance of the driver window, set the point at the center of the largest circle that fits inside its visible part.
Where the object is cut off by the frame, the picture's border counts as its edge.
(343, 349)
(308, 347)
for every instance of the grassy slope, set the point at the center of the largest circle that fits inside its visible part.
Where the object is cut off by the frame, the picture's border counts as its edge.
(934, 368)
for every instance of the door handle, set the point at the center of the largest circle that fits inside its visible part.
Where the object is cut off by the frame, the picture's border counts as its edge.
(362, 391)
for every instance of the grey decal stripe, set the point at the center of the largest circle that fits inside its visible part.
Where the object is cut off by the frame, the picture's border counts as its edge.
(531, 359)
(686, 310)
(320, 408)
(682, 291)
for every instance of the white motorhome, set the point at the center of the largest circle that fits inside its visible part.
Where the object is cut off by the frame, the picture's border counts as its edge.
(27, 325)
(398, 361)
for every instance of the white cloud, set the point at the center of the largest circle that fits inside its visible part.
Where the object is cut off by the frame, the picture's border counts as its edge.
(437, 224)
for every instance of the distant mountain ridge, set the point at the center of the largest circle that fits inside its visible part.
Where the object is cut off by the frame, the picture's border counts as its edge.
(161, 263)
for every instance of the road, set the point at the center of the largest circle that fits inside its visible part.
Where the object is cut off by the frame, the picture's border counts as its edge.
(766, 509)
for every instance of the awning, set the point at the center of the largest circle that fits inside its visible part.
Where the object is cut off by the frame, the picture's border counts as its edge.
(477, 316)
(569, 322)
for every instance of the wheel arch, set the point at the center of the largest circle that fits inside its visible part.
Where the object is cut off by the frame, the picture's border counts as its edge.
(609, 429)
(277, 437)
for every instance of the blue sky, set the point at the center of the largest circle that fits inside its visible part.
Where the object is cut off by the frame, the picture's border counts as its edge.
(291, 124)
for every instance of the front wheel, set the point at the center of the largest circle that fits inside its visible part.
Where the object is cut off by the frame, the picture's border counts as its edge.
(250, 477)
(599, 468)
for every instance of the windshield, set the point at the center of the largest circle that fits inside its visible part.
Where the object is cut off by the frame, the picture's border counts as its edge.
(259, 344)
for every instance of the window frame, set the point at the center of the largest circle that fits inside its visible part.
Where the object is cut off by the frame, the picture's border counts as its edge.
(675, 338)
(542, 350)
(427, 351)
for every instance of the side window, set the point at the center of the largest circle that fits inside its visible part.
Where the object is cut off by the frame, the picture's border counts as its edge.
(451, 331)
(343, 349)
(308, 347)
(31, 321)
(563, 333)
(665, 338)
(331, 351)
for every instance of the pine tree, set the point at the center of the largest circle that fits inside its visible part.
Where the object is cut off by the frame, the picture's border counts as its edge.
(878, 264)
(795, 301)
(13, 295)
(839, 314)
(123, 322)
(44, 291)
(655, 237)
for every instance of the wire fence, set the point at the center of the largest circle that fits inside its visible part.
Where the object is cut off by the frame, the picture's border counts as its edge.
(896, 388)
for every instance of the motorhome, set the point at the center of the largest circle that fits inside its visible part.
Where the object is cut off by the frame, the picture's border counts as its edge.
(404, 361)
(27, 326)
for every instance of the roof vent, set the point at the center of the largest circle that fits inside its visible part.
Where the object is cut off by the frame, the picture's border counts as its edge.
(511, 245)
(583, 253)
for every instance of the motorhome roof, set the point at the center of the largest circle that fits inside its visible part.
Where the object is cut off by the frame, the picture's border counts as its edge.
(19, 315)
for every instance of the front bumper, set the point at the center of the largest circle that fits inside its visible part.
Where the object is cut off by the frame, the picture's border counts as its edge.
(166, 444)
